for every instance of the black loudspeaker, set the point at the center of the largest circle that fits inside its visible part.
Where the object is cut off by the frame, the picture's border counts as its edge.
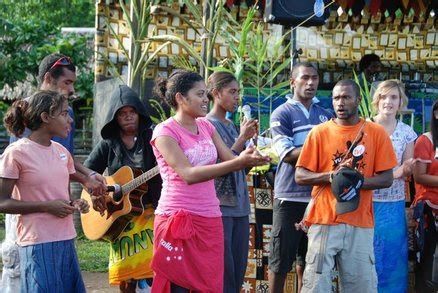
(293, 12)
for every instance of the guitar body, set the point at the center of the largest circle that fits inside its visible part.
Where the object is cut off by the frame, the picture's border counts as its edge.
(118, 214)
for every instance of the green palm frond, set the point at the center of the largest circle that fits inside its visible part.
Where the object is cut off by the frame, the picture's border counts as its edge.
(179, 41)
(162, 116)
(182, 62)
(194, 10)
(365, 108)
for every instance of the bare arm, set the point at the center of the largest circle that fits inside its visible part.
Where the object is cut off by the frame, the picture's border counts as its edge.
(81, 168)
(292, 156)
(95, 183)
(224, 153)
(304, 176)
(239, 145)
(59, 208)
(380, 180)
(79, 177)
(408, 162)
(421, 176)
(175, 157)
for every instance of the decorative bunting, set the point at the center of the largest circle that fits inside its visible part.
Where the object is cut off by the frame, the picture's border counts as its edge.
(375, 6)
(357, 7)
(343, 4)
(392, 6)
(405, 4)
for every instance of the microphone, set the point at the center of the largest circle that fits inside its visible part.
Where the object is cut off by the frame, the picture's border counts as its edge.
(246, 111)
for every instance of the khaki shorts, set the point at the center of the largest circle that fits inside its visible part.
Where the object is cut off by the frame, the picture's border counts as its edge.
(352, 248)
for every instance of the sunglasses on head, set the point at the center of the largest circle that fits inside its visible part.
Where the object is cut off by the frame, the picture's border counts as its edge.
(63, 61)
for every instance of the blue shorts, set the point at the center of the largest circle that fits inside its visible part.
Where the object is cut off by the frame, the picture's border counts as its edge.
(50, 267)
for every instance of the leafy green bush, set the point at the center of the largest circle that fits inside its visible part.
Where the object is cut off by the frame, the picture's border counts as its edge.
(2, 219)
(30, 30)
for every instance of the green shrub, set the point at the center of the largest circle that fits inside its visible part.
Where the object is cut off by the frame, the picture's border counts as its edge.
(2, 219)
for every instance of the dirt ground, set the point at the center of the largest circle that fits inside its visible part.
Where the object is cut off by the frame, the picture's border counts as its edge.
(98, 282)
(95, 283)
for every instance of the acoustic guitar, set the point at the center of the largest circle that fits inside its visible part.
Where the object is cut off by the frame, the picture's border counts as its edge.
(124, 202)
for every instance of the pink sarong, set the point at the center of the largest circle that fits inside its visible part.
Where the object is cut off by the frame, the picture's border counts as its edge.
(189, 252)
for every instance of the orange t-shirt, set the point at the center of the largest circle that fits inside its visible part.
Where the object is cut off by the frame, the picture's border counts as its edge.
(323, 151)
(424, 150)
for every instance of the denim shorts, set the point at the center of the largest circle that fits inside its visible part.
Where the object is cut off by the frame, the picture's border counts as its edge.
(50, 267)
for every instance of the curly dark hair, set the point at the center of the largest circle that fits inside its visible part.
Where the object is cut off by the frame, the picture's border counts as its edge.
(366, 60)
(27, 113)
(349, 82)
(180, 81)
(294, 72)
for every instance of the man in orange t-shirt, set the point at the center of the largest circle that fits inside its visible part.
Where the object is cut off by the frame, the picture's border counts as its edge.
(345, 141)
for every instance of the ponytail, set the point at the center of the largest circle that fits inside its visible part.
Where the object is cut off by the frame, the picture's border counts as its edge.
(27, 113)
(180, 81)
(14, 120)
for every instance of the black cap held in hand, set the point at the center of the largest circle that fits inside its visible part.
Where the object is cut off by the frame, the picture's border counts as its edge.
(346, 184)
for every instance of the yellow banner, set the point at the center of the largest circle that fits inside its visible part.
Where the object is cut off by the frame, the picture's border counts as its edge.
(131, 252)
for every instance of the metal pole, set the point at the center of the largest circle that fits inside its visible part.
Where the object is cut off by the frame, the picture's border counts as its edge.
(205, 36)
(293, 47)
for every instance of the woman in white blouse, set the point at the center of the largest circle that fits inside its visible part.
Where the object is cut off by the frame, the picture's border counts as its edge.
(390, 232)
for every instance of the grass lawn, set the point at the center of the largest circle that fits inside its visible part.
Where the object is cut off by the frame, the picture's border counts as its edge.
(93, 255)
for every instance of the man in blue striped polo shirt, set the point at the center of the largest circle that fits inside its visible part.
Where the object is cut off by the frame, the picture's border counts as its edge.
(290, 124)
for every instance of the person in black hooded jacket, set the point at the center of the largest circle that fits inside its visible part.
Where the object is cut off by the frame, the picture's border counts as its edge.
(125, 142)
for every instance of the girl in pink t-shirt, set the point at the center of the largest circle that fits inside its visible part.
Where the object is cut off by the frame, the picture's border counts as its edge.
(34, 183)
(188, 226)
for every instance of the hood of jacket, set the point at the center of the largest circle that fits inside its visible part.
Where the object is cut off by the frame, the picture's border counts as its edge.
(121, 97)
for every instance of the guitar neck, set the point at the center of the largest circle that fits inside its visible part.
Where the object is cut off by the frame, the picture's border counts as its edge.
(130, 186)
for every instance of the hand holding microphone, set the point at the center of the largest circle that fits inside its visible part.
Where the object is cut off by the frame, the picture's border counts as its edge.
(246, 111)
(249, 127)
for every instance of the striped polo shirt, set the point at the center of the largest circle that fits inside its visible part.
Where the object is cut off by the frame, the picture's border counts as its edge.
(290, 124)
